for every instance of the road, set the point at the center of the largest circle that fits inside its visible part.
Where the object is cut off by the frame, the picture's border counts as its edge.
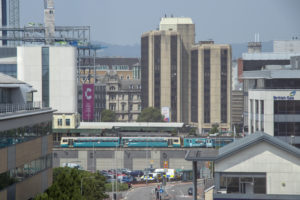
(140, 193)
(179, 191)
(175, 191)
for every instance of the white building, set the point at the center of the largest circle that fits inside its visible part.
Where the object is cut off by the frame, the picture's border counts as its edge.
(51, 70)
(286, 45)
(258, 167)
(276, 112)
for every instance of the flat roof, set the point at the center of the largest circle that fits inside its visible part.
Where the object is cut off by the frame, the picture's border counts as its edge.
(269, 56)
(110, 125)
(175, 20)
(271, 74)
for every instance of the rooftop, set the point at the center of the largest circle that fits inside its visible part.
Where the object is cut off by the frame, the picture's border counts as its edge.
(175, 20)
(238, 145)
(271, 74)
(269, 56)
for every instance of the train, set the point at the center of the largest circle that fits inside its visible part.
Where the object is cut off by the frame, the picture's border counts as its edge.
(174, 142)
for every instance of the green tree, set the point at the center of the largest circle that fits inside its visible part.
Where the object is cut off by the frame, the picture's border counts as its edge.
(67, 185)
(150, 115)
(108, 116)
(214, 129)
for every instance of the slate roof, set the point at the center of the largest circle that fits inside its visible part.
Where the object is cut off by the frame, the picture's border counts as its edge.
(5, 79)
(238, 145)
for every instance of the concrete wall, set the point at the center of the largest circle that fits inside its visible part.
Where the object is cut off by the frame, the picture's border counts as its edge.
(132, 158)
(215, 85)
(282, 168)
(62, 75)
(165, 70)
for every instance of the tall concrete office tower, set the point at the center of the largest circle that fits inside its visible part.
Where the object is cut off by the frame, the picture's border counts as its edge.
(211, 85)
(165, 62)
(3, 20)
(49, 21)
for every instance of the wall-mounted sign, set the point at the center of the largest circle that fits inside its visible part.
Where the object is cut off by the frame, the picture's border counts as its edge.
(290, 97)
(88, 102)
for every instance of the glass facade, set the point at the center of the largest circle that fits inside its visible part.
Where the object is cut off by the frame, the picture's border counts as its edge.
(286, 107)
(206, 96)
(282, 84)
(157, 62)
(5, 96)
(9, 69)
(27, 170)
(45, 76)
(224, 61)
(173, 78)
(23, 134)
(287, 129)
(194, 86)
(144, 70)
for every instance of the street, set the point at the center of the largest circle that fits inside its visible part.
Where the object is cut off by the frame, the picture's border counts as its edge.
(172, 191)
(140, 193)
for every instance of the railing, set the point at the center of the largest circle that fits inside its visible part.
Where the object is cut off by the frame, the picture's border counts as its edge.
(11, 108)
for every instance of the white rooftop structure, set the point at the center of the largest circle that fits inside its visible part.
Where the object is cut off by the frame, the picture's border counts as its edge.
(269, 56)
(167, 23)
(110, 125)
(286, 45)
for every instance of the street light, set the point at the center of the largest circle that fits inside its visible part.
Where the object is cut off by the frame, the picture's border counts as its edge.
(82, 182)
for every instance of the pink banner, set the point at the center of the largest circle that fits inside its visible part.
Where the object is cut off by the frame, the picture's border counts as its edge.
(87, 102)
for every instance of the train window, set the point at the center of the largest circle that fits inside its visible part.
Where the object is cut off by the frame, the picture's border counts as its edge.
(64, 140)
(176, 140)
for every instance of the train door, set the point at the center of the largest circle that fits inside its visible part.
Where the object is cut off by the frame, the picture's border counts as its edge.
(125, 142)
(70, 142)
(170, 142)
(209, 142)
(190, 142)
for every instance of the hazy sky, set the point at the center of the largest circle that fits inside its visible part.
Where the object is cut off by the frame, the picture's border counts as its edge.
(225, 21)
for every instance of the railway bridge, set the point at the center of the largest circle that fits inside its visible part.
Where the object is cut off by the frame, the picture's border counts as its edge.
(93, 159)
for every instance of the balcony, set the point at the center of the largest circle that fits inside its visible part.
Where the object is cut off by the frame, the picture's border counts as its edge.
(6, 109)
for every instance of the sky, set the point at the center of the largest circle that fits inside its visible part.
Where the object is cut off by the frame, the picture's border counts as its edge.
(122, 22)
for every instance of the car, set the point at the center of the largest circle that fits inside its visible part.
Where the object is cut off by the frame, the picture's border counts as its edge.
(190, 191)
(137, 173)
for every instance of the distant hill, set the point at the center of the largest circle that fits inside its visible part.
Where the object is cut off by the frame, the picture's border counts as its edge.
(133, 51)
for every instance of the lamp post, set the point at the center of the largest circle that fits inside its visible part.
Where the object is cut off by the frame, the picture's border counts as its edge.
(116, 181)
(82, 182)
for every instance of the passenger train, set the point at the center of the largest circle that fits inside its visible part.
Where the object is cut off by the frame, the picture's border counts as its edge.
(175, 142)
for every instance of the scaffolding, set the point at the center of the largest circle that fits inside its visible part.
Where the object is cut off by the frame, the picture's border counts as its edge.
(35, 33)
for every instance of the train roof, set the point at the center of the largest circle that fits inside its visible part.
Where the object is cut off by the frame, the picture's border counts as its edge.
(110, 125)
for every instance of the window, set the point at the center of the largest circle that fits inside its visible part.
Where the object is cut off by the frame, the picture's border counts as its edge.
(233, 183)
(123, 107)
(59, 122)
(67, 122)
(112, 106)
(130, 107)
(128, 77)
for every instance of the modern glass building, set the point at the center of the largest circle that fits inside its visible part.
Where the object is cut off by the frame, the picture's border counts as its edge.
(25, 141)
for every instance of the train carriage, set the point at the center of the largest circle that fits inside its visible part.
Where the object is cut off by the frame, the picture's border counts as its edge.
(150, 142)
(90, 142)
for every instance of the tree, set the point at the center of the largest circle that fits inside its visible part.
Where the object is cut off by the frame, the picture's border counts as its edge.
(67, 185)
(150, 115)
(108, 116)
(214, 129)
